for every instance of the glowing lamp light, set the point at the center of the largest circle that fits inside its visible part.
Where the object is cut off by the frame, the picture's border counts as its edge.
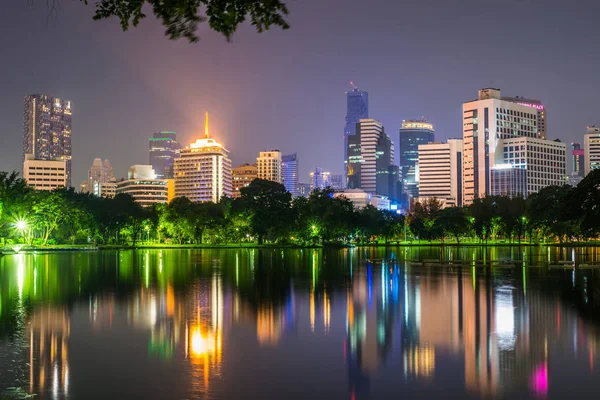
(21, 224)
(201, 343)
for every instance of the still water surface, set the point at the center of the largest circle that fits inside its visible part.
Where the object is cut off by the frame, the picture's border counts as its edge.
(319, 324)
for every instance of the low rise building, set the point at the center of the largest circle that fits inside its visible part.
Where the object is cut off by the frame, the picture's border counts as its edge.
(45, 174)
(242, 176)
(361, 199)
(143, 187)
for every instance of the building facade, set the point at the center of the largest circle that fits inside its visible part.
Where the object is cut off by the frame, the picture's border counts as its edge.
(163, 149)
(370, 155)
(47, 130)
(540, 111)
(544, 163)
(146, 192)
(289, 173)
(203, 170)
(101, 180)
(338, 182)
(440, 172)
(412, 133)
(357, 108)
(319, 179)
(303, 189)
(268, 165)
(486, 121)
(577, 160)
(242, 176)
(45, 174)
(361, 199)
(591, 149)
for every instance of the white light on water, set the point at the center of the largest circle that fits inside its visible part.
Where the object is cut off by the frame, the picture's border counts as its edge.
(505, 319)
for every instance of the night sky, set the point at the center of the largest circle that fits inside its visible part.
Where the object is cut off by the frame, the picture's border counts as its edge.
(286, 89)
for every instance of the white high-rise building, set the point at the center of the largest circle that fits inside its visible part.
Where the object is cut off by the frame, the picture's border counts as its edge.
(486, 121)
(319, 179)
(45, 174)
(526, 165)
(203, 170)
(591, 149)
(268, 165)
(440, 172)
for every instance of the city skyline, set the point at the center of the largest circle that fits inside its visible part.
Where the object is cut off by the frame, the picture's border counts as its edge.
(122, 78)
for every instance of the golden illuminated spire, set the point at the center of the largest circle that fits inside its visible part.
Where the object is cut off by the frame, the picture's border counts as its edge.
(206, 126)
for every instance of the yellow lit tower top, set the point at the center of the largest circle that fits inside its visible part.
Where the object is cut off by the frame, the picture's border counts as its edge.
(206, 126)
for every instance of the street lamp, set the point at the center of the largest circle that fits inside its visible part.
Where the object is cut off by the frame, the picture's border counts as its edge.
(21, 225)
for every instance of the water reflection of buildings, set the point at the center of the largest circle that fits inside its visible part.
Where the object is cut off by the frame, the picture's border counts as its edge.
(49, 332)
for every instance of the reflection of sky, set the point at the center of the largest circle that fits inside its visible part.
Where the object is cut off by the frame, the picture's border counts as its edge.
(505, 319)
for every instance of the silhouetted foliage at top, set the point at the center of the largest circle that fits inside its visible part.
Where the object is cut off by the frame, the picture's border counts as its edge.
(267, 214)
(182, 17)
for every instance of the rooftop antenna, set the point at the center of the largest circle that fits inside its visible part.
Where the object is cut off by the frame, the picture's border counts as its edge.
(353, 85)
(206, 126)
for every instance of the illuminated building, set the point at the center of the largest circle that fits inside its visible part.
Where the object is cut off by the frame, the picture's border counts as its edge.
(370, 156)
(268, 165)
(412, 134)
(203, 170)
(142, 185)
(540, 110)
(101, 181)
(578, 161)
(304, 189)
(242, 176)
(357, 108)
(486, 122)
(289, 173)
(338, 182)
(591, 149)
(440, 172)
(163, 149)
(361, 199)
(544, 163)
(319, 179)
(47, 130)
(45, 174)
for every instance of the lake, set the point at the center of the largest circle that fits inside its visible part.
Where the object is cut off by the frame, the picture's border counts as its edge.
(293, 324)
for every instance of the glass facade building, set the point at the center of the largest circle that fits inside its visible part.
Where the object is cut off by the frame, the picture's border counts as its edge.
(357, 108)
(289, 173)
(163, 149)
(412, 134)
(47, 130)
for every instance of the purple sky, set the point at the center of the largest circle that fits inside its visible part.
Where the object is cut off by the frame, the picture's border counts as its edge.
(285, 89)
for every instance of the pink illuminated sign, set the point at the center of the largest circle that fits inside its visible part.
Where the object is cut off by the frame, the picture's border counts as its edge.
(536, 106)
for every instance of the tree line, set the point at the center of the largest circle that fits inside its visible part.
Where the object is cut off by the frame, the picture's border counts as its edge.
(267, 214)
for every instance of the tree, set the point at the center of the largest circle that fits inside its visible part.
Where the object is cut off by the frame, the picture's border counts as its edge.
(269, 208)
(181, 17)
(423, 219)
(482, 212)
(49, 211)
(454, 221)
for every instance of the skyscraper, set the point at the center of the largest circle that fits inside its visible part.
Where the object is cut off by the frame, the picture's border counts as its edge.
(591, 149)
(370, 155)
(357, 108)
(47, 131)
(289, 172)
(242, 176)
(101, 180)
(203, 170)
(540, 111)
(502, 133)
(319, 179)
(412, 134)
(163, 149)
(269, 166)
(578, 161)
(440, 172)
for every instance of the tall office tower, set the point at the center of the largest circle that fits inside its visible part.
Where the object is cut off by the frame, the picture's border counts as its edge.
(591, 149)
(242, 176)
(370, 154)
(319, 179)
(440, 172)
(303, 189)
(47, 131)
(289, 172)
(163, 149)
(486, 121)
(203, 170)
(540, 111)
(357, 108)
(101, 180)
(142, 185)
(269, 166)
(525, 165)
(578, 161)
(338, 182)
(412, 134)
